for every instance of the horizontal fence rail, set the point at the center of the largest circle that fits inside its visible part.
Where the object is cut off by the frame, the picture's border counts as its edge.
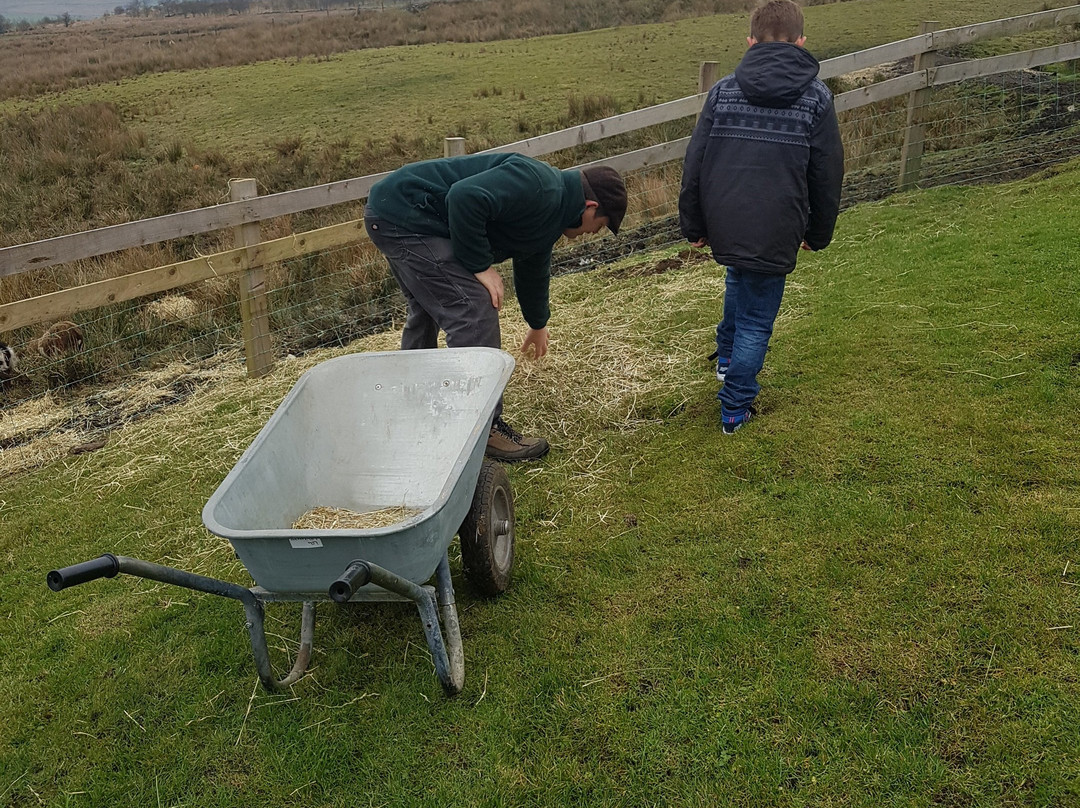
(608, 127)
(92, 243)
(947, 38)
(67, 302)
(950, 74)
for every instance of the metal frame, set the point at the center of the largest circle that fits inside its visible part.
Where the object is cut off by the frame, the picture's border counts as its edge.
(448, 655)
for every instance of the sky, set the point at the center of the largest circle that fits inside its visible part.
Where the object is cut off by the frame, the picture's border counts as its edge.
(36, 9)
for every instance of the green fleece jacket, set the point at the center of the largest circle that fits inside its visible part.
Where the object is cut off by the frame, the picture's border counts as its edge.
(492, 207)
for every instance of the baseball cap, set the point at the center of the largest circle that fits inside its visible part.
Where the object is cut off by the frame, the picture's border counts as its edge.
(604, 186)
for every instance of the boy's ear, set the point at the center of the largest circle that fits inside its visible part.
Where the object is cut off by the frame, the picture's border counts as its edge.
(750, 41)
(800, 41)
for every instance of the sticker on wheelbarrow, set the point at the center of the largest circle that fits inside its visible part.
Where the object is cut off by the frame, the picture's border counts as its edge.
(303, 544)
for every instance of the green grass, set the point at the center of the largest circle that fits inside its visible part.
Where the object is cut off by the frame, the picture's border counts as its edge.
(855, 601)
(445, 89)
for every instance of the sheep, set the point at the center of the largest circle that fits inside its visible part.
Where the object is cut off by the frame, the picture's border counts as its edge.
(170, 310)
(9, 360)
(60, 339)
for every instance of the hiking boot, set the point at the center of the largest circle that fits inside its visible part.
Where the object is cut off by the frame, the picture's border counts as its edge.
(507, 444)
(730, 424)
(722, 363)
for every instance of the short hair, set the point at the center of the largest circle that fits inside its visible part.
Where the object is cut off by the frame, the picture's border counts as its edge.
(777, 21)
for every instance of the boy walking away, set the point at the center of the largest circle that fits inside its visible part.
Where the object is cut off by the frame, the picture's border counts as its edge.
(442, 225)
(761, 177)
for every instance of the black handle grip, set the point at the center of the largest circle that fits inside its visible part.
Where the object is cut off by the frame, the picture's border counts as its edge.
(104, 567)
(356, 575)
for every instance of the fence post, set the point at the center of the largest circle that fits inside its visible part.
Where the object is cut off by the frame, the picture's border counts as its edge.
(917, 113)
(254, 310)
(453, 147)
(708, 75)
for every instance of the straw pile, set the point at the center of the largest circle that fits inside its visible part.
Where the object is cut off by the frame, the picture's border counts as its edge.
(622, 353)
(171, 309)
(325, 518)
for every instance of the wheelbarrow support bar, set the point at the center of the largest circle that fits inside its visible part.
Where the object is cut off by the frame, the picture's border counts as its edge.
(448, 656)
(108, 565)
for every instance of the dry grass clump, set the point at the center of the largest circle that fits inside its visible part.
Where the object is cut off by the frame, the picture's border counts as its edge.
(327, 518)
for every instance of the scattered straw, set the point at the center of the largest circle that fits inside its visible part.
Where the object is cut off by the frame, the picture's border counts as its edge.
(247, 712)
(603, 370)
(43, 429)
(324, 518)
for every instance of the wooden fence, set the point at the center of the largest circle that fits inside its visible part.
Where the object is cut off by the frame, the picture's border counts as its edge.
(245, 211)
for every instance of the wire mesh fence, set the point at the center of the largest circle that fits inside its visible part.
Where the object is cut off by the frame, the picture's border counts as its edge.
(77, 379)
(980, 131)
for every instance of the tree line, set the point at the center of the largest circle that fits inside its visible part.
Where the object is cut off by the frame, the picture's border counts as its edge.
(7, 25)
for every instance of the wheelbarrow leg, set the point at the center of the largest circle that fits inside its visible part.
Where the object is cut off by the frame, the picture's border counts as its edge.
(254, 611)
(454, 679)
(450, 667)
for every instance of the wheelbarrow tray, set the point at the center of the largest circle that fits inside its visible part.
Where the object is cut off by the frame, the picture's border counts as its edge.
(362, 432)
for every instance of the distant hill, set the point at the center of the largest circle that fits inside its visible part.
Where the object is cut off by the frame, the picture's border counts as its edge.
(36, 9)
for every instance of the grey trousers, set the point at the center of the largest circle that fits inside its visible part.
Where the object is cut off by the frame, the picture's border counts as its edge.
(440, 293)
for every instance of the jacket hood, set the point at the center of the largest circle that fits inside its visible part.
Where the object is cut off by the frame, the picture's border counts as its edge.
(775, 74)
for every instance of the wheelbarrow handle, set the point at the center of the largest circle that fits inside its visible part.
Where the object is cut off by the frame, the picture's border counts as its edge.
(356, 575)
(106, 566)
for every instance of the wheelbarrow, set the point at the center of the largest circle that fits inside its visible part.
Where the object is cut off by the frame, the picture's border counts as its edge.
(364, 432)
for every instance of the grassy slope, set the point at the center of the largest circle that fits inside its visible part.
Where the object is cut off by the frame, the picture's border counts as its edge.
(437, 89)
(848, 603)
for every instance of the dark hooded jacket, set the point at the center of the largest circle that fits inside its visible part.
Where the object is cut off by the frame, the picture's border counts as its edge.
(765, 164)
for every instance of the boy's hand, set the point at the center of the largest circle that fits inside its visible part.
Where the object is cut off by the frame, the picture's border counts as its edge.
(493, 282)
(807, 247)
(537, 339)
(701, 242)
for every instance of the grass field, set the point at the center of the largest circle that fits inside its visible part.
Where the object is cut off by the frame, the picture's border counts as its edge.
(867, 597)
(486, 92)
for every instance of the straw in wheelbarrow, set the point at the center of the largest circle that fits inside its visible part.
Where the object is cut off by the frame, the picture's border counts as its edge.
(326, 518)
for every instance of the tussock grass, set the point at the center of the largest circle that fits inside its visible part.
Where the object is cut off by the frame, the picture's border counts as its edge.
(866, 597)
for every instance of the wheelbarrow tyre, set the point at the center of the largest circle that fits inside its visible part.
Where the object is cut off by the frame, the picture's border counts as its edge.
(487, 532)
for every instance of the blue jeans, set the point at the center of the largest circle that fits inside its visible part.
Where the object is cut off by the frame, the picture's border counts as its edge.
(751, 303)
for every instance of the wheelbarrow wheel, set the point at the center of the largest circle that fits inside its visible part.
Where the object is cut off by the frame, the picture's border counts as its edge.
(487, 533)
